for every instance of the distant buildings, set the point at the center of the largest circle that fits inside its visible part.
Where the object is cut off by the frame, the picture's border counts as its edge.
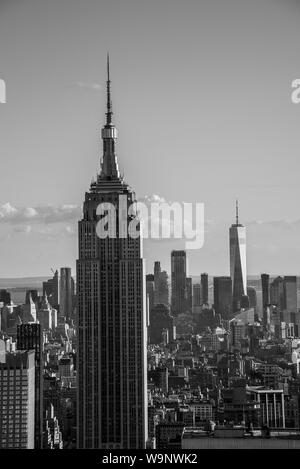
(189, 294)
(265, 284)
(10, 317)
(5, 297)
(282, 313)
(277, 293)
(290, 293)
(52, 437)
(44, 314)
(238, 437)
(271, 404)
(31, 296)
(160, 320)
(157, 273)
(251, 293)
(51, 288)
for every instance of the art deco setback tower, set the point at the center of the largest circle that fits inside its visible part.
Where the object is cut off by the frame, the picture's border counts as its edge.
(238, 274)
(112, 380)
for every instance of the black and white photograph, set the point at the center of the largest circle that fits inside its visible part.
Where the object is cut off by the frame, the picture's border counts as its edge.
(149, 229)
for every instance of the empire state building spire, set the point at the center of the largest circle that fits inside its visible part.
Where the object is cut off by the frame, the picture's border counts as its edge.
(109, 112)
(109, 168)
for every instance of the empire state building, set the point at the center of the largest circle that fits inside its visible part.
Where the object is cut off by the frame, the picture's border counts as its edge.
(111, 351)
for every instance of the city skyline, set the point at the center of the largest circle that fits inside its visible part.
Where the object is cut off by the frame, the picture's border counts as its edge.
(149, 227)
(243, 142)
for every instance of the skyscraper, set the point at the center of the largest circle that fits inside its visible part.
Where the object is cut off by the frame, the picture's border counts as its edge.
(290, 293)
(161, 287)
(265, 285)
(204, 288)
(251, 292)
(223, 296)
(112, 370)
(17, 386)
(164, 288)
(238, 273)
(66, 293)
(189, 293)
(160, 319)
(51, 289)
(277, 293)
(5, 297)
(157, 272)
(150, 292)
(265, 279)
(31, 295)
(178, 280)
(30, 337)
(196, 298)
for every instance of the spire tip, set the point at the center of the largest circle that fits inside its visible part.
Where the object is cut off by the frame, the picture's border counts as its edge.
(237, 211)
(109, 104)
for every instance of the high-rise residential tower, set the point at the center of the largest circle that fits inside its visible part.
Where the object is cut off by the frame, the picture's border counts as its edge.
(17, 400)
(238, 273)
(178, 281)
(112, 369)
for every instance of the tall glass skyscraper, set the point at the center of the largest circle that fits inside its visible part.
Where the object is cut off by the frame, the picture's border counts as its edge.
(238, 273)
(112, 371)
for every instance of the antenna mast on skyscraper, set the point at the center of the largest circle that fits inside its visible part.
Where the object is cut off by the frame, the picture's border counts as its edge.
(109, 103)
(237, 211)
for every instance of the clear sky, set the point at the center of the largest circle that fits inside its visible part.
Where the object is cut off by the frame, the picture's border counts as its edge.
(201, 96)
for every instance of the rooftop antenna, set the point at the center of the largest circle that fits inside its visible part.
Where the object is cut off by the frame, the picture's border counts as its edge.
(108, 97)
(237, 212)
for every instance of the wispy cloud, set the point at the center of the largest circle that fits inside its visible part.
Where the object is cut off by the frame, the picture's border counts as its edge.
(90, 86)
(283, 223)
(40, 214)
